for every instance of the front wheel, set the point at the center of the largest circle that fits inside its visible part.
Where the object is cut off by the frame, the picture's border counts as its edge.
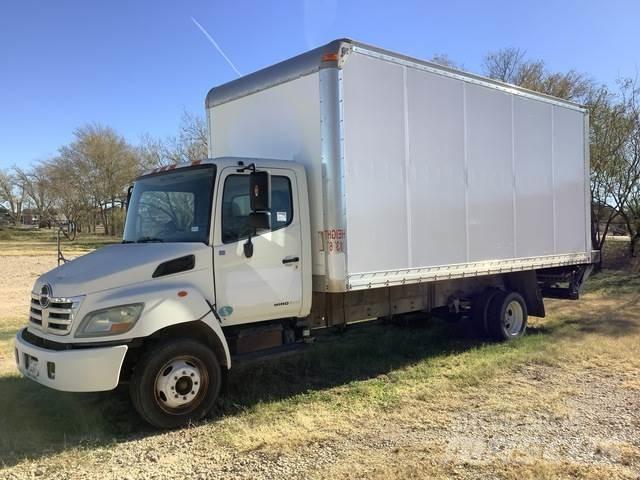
(176, 382)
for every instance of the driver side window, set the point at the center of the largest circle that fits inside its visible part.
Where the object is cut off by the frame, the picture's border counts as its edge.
(236, 207)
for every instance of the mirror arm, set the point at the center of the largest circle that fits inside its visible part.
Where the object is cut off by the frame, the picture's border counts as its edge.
(244, 168)
(248, 247)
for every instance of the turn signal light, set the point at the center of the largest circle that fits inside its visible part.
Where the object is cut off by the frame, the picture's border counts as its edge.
(119, 328)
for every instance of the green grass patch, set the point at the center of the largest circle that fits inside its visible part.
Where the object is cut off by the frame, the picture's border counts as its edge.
(610, 282)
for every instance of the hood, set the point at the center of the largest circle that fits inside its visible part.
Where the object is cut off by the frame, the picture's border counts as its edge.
(116, 266)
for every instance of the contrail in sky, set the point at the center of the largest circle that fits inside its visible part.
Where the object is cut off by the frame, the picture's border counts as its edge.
(215, 44)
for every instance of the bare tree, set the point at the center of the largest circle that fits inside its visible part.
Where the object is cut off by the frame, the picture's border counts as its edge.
(610, 128)
(445, 60)
(190, 144)
(504, 64)
(69, 198)
(12, 195)
(104, 164)
(36, 186)
(629, 175)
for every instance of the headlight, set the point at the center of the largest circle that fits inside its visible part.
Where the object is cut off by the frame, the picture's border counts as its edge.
(110, 321)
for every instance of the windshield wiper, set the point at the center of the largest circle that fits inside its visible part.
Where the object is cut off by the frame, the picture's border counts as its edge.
(149, 240)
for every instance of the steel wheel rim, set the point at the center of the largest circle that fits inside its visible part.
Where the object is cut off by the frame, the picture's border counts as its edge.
(181, 385)
(513, 318)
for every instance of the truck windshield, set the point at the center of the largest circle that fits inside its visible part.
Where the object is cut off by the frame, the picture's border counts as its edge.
(171, 207)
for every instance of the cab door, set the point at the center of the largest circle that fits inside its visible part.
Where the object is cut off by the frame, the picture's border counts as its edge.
(268, 284)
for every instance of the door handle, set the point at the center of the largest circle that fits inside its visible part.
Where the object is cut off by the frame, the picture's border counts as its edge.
(290, 260)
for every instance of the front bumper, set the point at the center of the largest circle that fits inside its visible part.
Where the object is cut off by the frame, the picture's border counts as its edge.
(78, 370)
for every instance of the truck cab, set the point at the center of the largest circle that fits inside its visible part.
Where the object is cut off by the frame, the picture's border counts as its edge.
(208, 247)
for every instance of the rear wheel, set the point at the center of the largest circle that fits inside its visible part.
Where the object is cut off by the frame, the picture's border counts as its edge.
(175, 383)
(507, 316)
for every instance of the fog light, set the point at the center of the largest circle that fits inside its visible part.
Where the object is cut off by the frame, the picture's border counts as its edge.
(51, 370)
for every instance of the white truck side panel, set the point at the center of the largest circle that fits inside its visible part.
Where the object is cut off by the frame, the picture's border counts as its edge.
(534, 178)
(375, 183)
(282, 122)
(435, 115)
(490, 176)
(569, 175)
(441, 171)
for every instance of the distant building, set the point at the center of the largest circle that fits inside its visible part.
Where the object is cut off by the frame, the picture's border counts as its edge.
(29, 217)
(5, 216)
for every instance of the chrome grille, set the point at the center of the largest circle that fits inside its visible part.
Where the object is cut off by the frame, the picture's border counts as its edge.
(56, 318)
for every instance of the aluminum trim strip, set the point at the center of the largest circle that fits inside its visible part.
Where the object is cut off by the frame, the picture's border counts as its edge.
(363, 281)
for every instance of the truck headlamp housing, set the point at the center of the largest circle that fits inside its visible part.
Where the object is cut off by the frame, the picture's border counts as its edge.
(110, 321)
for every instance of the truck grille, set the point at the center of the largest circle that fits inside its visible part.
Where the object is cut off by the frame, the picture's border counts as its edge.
(56, 318)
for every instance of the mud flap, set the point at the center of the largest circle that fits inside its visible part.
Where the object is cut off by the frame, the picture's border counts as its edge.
(526, 284)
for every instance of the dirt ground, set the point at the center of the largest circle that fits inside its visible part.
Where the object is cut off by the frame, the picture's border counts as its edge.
(563, 403)
(19, 272)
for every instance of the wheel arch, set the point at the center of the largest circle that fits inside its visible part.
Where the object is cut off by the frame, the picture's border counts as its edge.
(200, 330)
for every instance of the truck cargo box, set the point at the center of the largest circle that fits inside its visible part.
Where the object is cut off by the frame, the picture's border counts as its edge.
(417, 172)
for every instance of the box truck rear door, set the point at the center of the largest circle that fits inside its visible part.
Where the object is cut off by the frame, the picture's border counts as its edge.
(268, 284)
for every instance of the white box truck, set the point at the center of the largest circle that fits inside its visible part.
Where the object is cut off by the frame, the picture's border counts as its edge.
(345, 184)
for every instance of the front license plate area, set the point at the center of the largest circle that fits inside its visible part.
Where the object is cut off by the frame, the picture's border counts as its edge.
(31, 364)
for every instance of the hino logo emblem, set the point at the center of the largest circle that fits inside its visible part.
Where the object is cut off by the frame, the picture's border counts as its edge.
(45, 295)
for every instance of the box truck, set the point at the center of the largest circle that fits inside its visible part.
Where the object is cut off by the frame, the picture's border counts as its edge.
(346, 184)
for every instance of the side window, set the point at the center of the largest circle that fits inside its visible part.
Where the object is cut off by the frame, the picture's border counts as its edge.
(281, 202)
(236, 209)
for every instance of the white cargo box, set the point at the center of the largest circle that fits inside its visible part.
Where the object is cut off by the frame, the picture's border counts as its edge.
(416, 172)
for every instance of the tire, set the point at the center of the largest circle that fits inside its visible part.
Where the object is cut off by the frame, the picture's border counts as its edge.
(507, 316)
(479, 310)
(175, 383)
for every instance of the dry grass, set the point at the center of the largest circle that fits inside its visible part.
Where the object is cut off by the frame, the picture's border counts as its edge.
(37, 242)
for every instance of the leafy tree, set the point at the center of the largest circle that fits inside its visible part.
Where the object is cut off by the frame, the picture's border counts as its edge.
(510, 65)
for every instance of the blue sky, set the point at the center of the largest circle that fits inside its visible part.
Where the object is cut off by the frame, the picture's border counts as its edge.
(137, 65)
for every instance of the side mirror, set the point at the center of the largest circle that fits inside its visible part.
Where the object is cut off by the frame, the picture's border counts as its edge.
(259, 203)
(259, 191)
(128, 201)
